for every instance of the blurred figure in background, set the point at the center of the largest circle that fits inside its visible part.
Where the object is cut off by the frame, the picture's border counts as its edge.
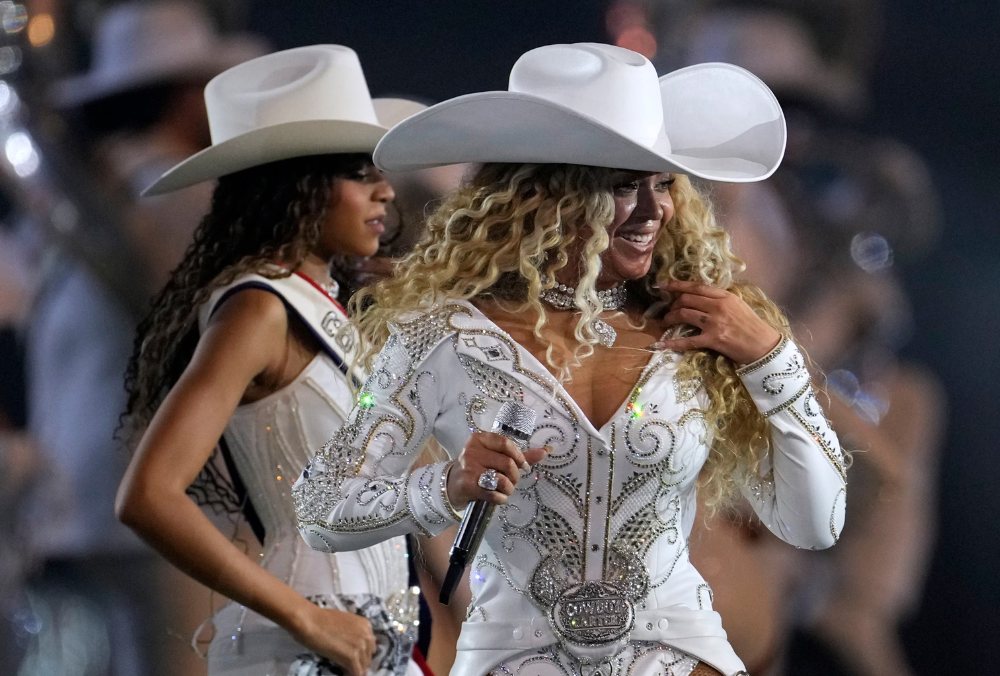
(870, 200)
(838, 211)
(140, 109)
(19, 461)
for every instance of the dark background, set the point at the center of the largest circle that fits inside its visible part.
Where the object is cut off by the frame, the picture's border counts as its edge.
(937, 87)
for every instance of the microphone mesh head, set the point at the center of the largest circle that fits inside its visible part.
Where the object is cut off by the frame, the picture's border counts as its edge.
(517, 417)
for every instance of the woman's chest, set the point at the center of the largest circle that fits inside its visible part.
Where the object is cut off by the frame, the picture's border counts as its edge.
(598, 505)
(654, 436)
(600, 381)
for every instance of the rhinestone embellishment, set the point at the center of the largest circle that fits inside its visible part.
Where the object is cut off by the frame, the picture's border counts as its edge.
(488, 480)
(563, 297)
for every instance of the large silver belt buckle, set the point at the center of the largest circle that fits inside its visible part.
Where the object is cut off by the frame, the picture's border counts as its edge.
(592, 615)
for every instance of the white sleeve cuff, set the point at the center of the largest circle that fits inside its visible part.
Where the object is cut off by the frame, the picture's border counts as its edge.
(777, 379)
(428, 495)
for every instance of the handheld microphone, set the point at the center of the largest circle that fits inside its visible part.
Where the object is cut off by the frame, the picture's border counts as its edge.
(516, 422)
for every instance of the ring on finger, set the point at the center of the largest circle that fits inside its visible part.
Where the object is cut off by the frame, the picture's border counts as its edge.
(488, 480)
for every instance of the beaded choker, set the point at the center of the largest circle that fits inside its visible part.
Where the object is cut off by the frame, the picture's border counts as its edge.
(563, 297)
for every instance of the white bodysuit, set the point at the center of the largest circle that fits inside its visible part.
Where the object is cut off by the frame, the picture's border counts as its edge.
(269, 441)
(586, 567)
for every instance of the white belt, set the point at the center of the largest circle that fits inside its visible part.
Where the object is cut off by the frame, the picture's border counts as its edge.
(696, 632)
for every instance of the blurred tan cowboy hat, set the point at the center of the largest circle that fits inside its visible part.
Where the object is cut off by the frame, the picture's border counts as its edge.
(139, 44)
(305, 101)
(781, 50)
(599, 105)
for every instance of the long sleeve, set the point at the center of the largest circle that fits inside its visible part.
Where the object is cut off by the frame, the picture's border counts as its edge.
(359, 489)
(801, 492)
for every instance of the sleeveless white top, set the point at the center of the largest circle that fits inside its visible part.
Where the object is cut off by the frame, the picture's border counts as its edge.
(270, 441)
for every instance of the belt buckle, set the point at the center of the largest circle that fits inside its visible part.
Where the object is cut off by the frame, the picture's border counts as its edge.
(592, 613)
(593, 619)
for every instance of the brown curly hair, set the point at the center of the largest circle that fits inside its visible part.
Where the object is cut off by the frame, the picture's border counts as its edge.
(509, 230)
(259, 216)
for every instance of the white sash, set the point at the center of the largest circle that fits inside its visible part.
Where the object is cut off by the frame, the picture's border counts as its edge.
(324, 317)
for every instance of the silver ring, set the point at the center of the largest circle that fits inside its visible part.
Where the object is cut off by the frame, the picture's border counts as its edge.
(488, 480)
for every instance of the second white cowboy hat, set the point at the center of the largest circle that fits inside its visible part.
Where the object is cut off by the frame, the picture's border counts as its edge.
(600, 105)
(305, 101)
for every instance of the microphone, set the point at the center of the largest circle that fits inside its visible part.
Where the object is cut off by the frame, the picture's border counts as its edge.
(516, 422)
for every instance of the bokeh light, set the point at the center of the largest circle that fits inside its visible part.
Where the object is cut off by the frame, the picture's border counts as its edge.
(41, 30)
(871, 251)
(21, 154)
(638, 39)
(628, 26)
(622, 16)
(10, 59)
(8, 100)
(14, 17)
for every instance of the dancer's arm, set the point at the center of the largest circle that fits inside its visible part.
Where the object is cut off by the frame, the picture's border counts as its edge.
(248, 336)
(361, 487)
(800, 494)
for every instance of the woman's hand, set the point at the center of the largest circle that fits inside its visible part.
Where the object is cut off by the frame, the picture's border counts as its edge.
(345, 638)
(728, 325)
(483, 451)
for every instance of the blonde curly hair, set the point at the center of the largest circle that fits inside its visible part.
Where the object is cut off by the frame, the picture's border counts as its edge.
(505, 234)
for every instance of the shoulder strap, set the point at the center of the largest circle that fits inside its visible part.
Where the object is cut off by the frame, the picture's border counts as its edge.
(253, 519)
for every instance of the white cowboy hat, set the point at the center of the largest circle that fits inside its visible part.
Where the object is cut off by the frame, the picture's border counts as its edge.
(139, 44)
(305, 101)
(600, 105)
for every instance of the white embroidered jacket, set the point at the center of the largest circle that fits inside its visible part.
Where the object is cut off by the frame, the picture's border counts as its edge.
(591, 550)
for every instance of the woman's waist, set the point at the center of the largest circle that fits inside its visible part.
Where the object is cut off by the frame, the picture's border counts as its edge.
(400, 610)
(246, 639)
(380, 570)
(676, 625)
(589, 629)
(554, 601)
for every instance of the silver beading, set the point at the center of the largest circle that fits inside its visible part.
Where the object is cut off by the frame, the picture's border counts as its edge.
(332, 287)
(563, 297)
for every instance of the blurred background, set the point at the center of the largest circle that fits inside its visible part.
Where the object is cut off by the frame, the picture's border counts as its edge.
(879, 236)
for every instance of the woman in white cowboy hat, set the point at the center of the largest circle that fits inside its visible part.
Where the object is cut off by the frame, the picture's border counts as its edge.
(548, 280)
(248, 342)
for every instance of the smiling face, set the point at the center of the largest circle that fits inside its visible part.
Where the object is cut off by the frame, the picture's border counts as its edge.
(356, 215)
(642, 205)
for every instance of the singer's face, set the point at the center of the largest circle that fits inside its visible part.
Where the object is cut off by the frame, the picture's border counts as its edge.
(642, 205)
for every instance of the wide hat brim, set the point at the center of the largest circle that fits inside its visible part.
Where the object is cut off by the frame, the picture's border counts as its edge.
(298, 138)
(721, 123)
(269, 144)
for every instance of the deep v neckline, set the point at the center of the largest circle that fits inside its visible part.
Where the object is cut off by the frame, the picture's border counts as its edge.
(530, 361)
